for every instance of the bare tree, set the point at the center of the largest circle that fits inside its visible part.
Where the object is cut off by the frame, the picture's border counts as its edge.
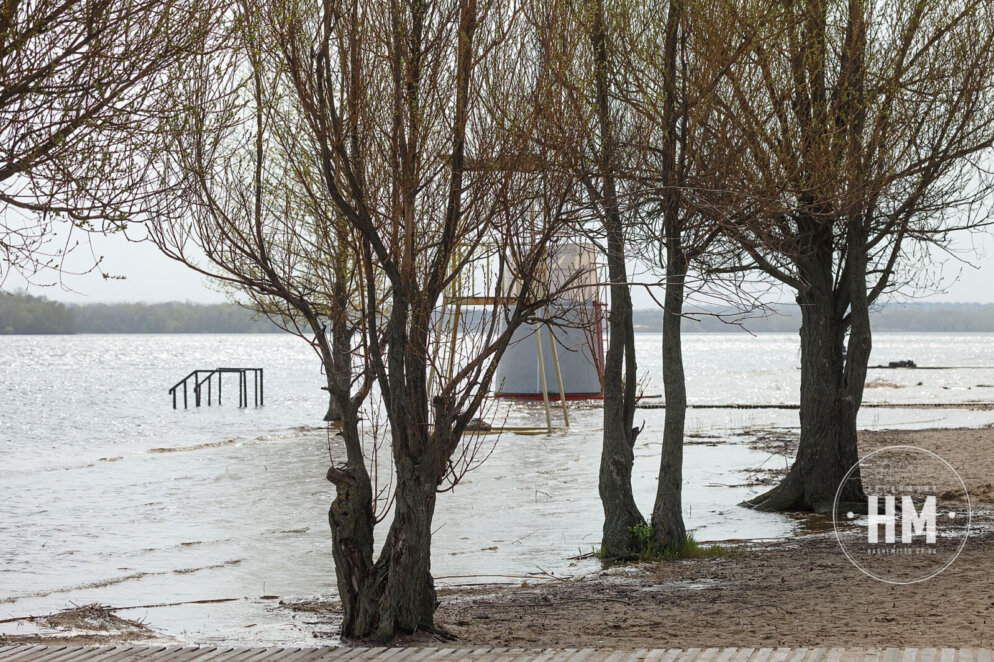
(78, 81)
(573, 49)
(406, 103)
(638, 81)
(864, 130)
(672, 60)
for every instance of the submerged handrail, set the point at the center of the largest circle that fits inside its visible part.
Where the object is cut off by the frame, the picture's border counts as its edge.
(198, 382)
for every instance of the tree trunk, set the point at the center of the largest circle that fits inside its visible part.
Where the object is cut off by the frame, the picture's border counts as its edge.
(351, 515)
(333, 414)
(352, 520)
(617, 455)
(828, 412)
(399, 597)
(339, 374)
(667, 513)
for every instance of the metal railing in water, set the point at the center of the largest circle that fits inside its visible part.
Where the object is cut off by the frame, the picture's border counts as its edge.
(197, 380)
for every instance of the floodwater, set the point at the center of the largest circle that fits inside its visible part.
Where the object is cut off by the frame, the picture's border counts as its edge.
(109, 495)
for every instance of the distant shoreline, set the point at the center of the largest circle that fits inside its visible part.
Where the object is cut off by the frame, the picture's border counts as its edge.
(23, 314)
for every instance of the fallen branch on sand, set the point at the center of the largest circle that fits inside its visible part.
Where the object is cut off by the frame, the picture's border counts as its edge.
(112, 609)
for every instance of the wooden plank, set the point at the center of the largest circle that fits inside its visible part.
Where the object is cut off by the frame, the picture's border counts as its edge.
(13, 651)
(177, 653)
(689, 655)
(237, 654)
(263, 654)
(51, 653)
(130, 653)
(71, 653)
(92, 653)
(422, 654)
(23, 652)
(636, 655)
(104, 652)
(200, 653)
(513, 654)
(663, 654)
(308, 654)
(546, 655)
(615, 656)
(445, 653)
(205, 653)
(40, 653)
(360, 653)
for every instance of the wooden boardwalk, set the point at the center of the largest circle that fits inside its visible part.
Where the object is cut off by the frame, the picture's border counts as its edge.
(28, 653)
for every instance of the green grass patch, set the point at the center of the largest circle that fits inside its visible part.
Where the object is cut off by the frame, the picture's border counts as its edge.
(646, 550)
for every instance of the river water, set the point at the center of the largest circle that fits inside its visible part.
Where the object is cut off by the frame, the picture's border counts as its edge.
(109, 495)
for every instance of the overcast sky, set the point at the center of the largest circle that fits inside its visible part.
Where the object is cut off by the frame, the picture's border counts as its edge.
(151, 277)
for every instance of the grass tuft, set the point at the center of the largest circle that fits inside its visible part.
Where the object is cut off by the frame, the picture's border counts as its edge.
(648, 551)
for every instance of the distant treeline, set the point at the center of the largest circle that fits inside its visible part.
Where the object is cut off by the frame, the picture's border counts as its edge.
(23, 313)
(910, 317)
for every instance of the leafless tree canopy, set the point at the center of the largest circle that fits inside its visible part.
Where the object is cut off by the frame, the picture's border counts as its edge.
(78, 81)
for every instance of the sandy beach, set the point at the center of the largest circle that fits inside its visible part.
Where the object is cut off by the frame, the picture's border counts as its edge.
(801, 592)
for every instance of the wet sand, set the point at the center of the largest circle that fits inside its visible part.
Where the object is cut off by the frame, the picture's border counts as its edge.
(801, 592)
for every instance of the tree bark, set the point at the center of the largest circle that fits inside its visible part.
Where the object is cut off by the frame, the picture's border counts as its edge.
(831, 386)
(351, 515)
(351, 519)
(621, 514)
(667, 513)
(399, 594)
(339, 374)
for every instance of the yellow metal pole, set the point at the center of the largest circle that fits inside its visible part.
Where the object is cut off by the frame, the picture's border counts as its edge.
(541, 374)
(559, 374)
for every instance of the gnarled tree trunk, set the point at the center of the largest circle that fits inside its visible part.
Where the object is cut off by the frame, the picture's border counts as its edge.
(398, 596)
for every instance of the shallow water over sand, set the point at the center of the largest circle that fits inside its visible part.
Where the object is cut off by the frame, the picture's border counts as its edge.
(107, 494)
